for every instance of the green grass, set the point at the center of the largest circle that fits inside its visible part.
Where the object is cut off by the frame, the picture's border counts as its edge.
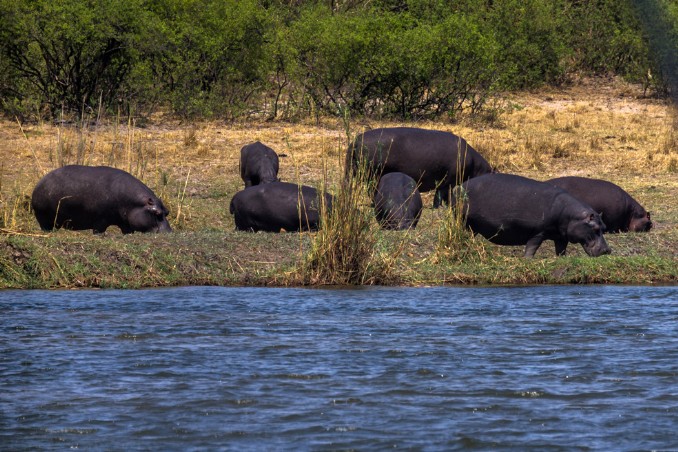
(80, 259)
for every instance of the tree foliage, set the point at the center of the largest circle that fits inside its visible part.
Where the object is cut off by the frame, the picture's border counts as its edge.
(69, 54)
(287, 58)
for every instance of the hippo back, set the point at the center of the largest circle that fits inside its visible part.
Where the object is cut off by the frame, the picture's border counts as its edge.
(259, 164)
(397, 202)
(514, 210)
(94, 197)
(278, 206)
(620, 212)
(430, 157)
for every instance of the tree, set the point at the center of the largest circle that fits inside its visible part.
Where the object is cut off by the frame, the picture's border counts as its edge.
(71, 54)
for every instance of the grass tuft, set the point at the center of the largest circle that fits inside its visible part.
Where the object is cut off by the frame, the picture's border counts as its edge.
(456, 243)
(344, 251)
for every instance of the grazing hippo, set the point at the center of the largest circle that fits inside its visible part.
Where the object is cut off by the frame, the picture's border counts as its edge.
(397, 202)
(620, 212)
(258, 164)
(513, 210)
(436, 160)
(275, 206)
(95, 197)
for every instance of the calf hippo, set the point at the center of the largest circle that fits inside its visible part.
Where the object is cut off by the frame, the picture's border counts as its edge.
(620, 212)
(513, 210)
(96, 197)
(278, 205)
(258, 164)
(397, 202)
(436, 160)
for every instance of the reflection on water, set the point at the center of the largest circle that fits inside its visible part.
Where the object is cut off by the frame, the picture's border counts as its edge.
(249, 368)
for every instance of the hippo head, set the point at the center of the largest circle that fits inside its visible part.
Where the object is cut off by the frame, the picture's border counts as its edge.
(640, 221)
(269, 176)
(587, 229)
(150, 217)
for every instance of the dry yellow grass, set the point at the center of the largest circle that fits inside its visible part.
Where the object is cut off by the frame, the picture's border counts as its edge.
(594, 129)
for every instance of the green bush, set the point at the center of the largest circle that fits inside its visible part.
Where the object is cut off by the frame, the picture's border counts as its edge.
(607, 38)
(439, 69)
(392, 65)
(659, 19)
(273, 58)
(72, 55)
(533, 41)
(209, 56)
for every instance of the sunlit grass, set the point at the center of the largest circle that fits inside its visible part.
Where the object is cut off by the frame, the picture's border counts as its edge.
(604, 131)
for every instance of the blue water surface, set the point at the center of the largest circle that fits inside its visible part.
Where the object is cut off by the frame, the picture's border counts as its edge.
(542, 368)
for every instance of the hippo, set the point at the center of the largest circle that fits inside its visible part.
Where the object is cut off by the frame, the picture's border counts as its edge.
(95, 197)
(258, 164)
(513, 210)
(397, 202)
(436, 160)
(275, 206)
(620, 212)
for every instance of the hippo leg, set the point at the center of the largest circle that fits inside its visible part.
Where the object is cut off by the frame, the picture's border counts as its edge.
(100, 228)
(442, 196)
(533, 244)
(561, 246)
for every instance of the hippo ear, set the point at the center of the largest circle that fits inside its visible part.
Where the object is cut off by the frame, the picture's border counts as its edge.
(153, 207)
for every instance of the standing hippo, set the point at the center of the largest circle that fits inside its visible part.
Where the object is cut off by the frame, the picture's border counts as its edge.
(436, 160)
(278, 205)
(513, 210)
(96, 197)
(397, 202)
(620, 212)
(258, 164)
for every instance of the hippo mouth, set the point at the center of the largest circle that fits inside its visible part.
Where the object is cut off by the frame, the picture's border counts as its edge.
(597, 248)
(162, 227)
(646, 227)
(641, 223)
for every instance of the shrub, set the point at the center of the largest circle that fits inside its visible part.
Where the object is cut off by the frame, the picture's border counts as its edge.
(72, 55)
(344, 249)
(210, 57)
(607, 38)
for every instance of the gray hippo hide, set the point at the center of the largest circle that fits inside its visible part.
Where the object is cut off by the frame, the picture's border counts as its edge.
(278, 206)
(513, 210)
(258, 164)
(95, 197)
(620, 212)
(397, 202)
(436, 160)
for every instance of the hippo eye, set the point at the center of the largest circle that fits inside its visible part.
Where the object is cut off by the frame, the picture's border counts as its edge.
(149, 201)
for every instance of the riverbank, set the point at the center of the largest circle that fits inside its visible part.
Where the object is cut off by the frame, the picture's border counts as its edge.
(71, 260)
(606, 131)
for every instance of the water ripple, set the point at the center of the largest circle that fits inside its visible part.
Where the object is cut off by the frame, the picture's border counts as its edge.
(547, 368)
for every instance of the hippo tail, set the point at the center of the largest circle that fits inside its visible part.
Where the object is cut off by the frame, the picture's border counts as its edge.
(232, 207)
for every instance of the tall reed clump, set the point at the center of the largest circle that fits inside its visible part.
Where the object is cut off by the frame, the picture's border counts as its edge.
(455, 241)
(345, 249)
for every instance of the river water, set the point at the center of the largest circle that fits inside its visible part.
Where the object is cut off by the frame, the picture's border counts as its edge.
(543, 368)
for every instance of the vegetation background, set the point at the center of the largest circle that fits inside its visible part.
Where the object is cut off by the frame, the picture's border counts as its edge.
(405, 59)
(170, 90)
